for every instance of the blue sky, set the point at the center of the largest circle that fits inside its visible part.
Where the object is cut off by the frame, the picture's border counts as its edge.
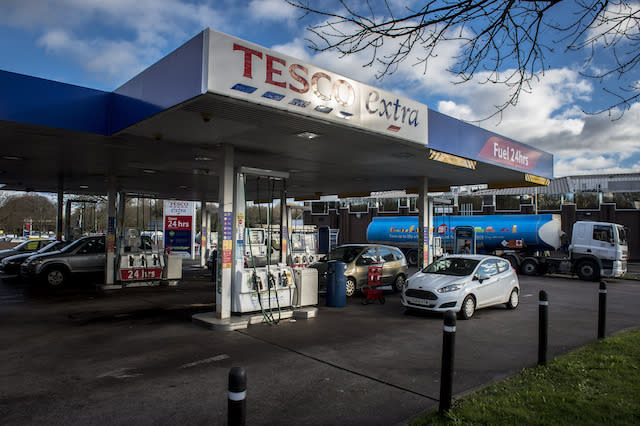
(103, 43)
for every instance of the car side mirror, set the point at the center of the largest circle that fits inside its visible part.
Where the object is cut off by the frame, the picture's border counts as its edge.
(481, 277)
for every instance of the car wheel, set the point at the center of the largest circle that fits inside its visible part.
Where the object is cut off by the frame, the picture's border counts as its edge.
(382, 300)
(468, 308)
(55, 277)
(588, 270)
(529, 267)
(350, 287)
(398, 284)
(514, 299)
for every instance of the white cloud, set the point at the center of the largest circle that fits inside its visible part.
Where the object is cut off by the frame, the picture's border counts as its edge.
(272, 10)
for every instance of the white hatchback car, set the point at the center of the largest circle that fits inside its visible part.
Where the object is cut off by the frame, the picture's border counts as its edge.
(462, 283)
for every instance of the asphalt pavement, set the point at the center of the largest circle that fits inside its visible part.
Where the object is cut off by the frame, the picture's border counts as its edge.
(134, 356)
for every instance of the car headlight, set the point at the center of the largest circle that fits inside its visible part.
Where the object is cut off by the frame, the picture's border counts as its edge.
(35, 262)
(450, 287)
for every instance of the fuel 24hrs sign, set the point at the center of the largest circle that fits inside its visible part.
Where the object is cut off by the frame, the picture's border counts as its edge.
(179, 225)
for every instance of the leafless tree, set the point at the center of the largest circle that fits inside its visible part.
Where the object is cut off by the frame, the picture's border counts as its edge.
(509, 41)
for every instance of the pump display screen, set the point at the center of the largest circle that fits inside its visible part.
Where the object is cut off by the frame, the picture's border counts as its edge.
(256, 236)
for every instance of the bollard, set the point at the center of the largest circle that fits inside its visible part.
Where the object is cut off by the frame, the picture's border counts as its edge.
(543, 327)
(448, 350)
(602, 309)
(237, 405)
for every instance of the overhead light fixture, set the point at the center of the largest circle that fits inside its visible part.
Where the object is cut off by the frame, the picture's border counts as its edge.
(12, 158)
(454, 160)
(202, 158)
(84, 186)
(307, 135)
(183, 187)
(150, 171)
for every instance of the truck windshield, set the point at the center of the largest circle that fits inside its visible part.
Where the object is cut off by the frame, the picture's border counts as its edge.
(344, 254)
(457, 266)
(622, 235)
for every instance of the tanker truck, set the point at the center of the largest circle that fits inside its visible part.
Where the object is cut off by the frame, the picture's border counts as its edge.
(596, 249)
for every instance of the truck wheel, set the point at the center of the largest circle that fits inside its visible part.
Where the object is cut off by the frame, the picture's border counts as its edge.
(588, 270)
(55, 276)
(529, 267)
(412, 258)
(512, 260)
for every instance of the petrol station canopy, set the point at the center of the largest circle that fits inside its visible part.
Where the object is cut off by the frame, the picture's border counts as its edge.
(162, 133)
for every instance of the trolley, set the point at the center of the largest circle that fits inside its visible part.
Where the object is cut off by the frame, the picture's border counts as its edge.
(372, 291)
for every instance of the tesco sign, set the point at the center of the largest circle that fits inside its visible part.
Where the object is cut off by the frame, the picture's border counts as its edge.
(243, 70)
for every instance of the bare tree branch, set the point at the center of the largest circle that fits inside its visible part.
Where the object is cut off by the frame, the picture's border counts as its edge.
(507, 41)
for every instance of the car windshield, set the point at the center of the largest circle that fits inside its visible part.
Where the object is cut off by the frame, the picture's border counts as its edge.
(622, 235)
(344, 254)
(458, 266)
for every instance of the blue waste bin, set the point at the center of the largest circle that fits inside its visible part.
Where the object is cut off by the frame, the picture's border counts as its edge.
(336, 284)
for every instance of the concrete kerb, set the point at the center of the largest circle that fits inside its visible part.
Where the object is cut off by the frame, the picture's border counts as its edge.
(209, 319)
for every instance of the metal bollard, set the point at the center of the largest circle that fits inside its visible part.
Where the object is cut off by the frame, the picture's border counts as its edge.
(237, 405)
(543, 327)
(602, 309)
(448, 350)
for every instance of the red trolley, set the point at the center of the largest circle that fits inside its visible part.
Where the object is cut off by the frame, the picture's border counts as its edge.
(372, 291)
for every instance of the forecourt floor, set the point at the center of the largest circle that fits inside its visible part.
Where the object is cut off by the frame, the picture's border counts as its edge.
(134, 356)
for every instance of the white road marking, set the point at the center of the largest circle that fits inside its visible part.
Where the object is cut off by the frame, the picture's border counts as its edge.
(205, 361)
(527, 295)
(120, 373)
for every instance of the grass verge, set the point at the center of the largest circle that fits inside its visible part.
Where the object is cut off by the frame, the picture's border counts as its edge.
(596, 384)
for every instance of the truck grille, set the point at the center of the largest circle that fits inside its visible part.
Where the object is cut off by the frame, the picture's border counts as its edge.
(420, 294)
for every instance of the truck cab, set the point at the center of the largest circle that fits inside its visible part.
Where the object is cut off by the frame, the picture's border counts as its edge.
(601, 246)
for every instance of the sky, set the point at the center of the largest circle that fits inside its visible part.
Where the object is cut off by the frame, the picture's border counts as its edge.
(101, 44)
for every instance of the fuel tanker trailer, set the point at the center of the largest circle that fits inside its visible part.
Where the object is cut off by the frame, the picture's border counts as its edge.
(596, 249)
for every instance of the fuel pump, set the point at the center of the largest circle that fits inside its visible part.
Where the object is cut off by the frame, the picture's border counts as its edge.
(259, 287)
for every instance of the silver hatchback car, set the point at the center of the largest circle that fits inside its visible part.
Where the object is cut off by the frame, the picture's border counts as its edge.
(358, 257)
(463, 283)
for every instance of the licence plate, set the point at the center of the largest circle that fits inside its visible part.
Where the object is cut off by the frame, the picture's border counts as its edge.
(421, 302)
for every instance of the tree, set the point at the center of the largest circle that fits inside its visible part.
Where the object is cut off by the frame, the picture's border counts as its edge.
(16, 209)
(510, 40)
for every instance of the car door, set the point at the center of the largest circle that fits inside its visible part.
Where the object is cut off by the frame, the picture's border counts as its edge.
(89, 257)
(368, 256)
(488, 290)
(506, 280)
(390, 265)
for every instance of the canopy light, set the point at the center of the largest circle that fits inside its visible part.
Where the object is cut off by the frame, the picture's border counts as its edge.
(12, 158)
(202, 158)
(454, 160)
(307, 135)
(539, 180)
(150, 171)
(84, 186)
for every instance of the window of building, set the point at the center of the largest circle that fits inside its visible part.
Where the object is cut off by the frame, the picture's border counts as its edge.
(413, 204)
(358, 206)
(507, 202)
(587, 201)
(607, 197)
(488, 200)
(389, 205)
(403, 202)
(319, 207)
(627, 200)
(526, 199)
(475, 201)
(549, 201)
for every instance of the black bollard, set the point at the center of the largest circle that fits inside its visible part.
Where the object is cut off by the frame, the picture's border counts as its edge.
(602, 309)
(448, 351)
(237, 406)
(543, 327)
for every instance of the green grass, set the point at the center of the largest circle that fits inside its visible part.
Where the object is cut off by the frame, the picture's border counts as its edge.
(596, 384)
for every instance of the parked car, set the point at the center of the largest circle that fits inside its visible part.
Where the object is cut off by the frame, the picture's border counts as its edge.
(463, 283)
(11, 264)
(28, 246)
(358, 257)
(83, 256)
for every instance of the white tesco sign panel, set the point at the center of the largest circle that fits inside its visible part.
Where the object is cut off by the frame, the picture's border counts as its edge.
(244, 70)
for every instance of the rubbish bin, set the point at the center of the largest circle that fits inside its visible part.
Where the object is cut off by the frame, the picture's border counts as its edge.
(336, 284)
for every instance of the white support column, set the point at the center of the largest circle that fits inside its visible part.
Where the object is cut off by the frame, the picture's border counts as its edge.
(203, 234)
(59, 214)
(425, 223)
(111, 235)
(284, 226)
(225, 237)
